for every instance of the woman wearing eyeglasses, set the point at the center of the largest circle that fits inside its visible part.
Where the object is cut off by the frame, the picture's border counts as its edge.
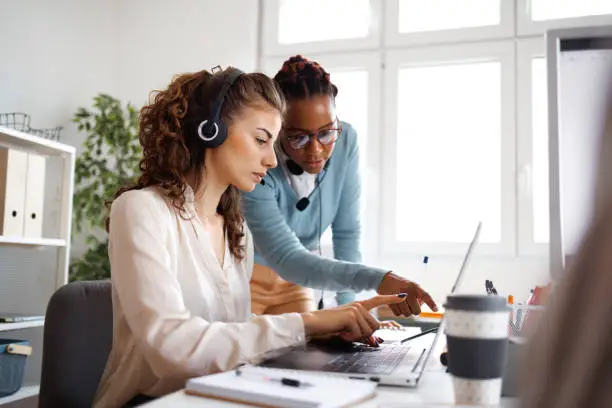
(315, 185)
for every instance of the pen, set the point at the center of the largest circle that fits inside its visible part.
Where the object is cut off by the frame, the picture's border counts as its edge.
(291, 382)
(425, 263)
(420, 334)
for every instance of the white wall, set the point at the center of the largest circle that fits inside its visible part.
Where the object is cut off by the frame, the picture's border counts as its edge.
(159, 39)
(55, 55)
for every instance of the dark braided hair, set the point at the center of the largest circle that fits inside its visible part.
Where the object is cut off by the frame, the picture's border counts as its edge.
(301, 78)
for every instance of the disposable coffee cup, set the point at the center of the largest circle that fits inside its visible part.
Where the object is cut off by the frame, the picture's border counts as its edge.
(477, 341)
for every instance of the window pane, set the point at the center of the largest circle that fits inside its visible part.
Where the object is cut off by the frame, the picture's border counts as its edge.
(556, 9)
(539, 132)
(302, 21)
(352, 103)
(449, 152)
(352, 107)
(432, 15)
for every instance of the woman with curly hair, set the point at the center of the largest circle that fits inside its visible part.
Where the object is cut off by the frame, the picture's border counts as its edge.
(181, 255)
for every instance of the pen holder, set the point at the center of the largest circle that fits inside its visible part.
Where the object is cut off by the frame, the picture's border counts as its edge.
(524, 319)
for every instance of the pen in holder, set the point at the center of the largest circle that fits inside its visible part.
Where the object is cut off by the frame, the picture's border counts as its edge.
(523, 319)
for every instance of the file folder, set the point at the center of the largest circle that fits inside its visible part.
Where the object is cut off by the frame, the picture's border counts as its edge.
(34, 196)
(13, 170)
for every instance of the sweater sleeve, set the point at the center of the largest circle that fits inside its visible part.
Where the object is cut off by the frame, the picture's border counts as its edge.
(175, 343)
(284, 252)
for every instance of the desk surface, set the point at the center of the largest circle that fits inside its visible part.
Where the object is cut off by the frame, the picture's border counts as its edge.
(435, 390)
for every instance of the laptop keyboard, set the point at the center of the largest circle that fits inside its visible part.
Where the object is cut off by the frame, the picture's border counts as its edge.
(368, 360)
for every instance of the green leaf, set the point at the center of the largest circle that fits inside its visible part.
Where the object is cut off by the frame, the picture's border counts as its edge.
(110, 159)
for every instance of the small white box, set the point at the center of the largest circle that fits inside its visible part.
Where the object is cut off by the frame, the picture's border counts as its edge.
(13, 171)
(34, 196)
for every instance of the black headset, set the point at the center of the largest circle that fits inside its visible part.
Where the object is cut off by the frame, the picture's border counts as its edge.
(295, 169)
(213, 131)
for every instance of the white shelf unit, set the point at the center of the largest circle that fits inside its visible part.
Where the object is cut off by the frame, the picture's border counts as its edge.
(24, 241)
(21, 325)
(13, 139)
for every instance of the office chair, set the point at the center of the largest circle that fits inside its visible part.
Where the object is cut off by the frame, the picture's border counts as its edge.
(77, 340)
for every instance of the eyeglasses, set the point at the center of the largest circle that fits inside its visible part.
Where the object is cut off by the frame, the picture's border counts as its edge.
(299, 141)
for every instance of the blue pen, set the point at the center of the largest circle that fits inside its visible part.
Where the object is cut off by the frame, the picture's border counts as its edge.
(425, 263)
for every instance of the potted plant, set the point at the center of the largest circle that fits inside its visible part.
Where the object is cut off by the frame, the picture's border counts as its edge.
(109, 160)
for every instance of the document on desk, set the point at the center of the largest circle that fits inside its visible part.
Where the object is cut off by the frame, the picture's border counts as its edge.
(267, 387)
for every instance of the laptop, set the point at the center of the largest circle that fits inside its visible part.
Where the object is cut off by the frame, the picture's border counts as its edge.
(400, 364)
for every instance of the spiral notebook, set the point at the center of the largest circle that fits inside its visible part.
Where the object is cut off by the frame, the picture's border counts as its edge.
(267, 387)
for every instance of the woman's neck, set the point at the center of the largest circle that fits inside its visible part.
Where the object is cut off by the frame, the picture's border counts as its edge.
(207, 192)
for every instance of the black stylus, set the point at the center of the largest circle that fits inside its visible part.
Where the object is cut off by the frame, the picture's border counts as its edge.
(435, 329)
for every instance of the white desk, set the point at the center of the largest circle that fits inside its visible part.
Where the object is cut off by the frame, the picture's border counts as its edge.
(436, 389)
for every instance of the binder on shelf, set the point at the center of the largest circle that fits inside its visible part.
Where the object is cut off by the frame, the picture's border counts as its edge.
(13, 171)
(34, 196)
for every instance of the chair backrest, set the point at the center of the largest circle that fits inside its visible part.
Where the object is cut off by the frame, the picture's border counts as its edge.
(77, 340)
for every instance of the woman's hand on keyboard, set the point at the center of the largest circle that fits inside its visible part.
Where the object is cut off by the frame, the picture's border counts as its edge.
(352, 322)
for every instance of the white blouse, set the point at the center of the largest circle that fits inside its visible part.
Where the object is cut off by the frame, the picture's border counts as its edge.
(177, 312)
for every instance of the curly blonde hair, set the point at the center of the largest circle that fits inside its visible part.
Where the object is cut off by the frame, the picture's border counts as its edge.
(171, 147)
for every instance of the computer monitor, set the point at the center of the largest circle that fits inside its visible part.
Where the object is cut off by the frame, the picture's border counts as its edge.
(579, 67)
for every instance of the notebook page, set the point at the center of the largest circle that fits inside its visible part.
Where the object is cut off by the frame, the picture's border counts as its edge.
(322, 391)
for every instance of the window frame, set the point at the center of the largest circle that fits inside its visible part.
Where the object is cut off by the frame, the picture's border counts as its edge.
(271, 47)
(393, 37)
(525, 26)
(371, 168)
(526, 51)
(502, 51)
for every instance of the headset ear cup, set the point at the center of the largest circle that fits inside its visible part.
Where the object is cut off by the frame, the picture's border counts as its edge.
(213, 134)
(213, 131)
(220, 138)
(208, 131)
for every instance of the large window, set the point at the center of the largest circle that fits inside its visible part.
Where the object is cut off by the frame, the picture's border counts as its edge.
(554, 9)
(352, 107)
(540, 150)
(417, 15)
(449, 99)
(535, 16)
(532, 147)
(410, 22)
(355, 21)
(313, 26)
(449, 149)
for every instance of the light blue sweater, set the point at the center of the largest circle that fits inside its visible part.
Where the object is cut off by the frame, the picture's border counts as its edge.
(284, 236)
